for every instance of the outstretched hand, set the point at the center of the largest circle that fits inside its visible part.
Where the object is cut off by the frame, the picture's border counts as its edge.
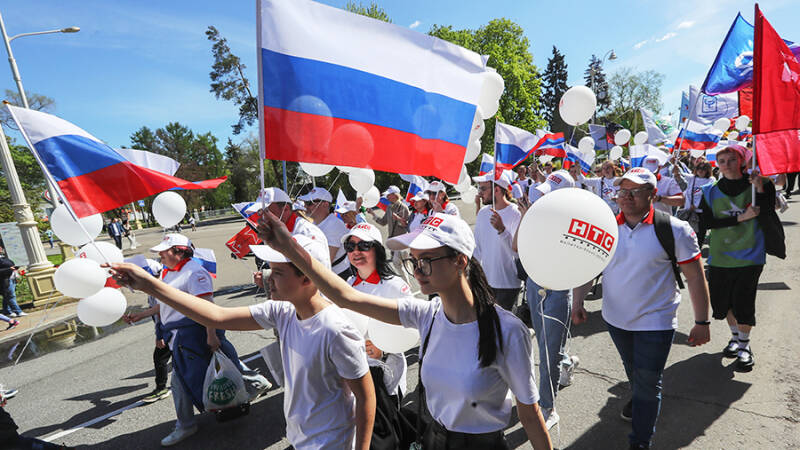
(130, 275)
(273, 232)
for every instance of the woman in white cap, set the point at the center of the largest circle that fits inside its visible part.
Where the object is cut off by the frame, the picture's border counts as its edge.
(421, 207)
(440, 202)
(472, 351)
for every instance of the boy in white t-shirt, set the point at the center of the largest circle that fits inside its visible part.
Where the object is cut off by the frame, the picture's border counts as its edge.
(329, 401)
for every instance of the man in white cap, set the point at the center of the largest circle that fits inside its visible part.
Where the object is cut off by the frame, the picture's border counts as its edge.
(550, 311)
(319, 208)
(668, 192)
(641, 296)
(495, 226)
(349, 212)
(396, 214)
(440, 202)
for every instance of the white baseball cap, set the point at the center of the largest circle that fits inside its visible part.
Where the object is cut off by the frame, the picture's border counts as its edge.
(269, 195)
(504, 181)
(418, 197)
(638, 175)
(171, 240)
(435, 186)
(316, 248)
(651, 163)
(365, 232)
(438, 230)
(318, 193)
(555, 181)
(391, 190)
(346, 207)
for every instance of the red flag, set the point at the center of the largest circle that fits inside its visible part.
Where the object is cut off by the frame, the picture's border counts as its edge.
(240, 243)
(776, 101)
(746, 102)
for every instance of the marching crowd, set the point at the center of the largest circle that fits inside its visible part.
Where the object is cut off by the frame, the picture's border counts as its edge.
(329, 269)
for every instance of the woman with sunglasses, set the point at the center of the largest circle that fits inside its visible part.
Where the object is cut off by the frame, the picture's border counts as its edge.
(472, 351)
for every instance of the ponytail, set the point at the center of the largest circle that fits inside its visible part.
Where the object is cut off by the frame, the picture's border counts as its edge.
(490, 335)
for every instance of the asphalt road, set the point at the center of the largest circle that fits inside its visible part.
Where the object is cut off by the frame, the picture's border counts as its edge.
(74, 396)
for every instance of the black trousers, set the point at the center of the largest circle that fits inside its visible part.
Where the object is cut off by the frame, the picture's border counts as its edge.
(161, 358)
(790, 179)
(118, 241)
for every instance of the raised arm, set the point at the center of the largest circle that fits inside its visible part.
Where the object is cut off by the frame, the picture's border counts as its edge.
(274, 233)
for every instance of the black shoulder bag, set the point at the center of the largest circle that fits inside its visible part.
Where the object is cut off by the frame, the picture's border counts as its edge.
(663, 230)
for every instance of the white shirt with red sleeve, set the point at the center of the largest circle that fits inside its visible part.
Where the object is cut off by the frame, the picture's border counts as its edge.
(188, 276)
(640, 292)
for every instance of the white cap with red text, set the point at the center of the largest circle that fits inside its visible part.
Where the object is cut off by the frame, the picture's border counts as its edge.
(171, 240)
(365, 232)
(438, 230)
(555, 181)
(638, 175)
(318, 193)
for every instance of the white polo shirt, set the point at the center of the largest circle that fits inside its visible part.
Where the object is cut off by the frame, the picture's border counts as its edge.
(299, 225)
(334, 229)
(640, 292)
(667, 186)
(448, 208)
(188, 276)
(493, 250)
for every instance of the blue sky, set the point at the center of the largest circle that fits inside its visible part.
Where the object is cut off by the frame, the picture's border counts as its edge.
(138, 63)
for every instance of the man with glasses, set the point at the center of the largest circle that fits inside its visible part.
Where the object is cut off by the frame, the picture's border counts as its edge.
(495, 227)
(641, 297)
(318, 205)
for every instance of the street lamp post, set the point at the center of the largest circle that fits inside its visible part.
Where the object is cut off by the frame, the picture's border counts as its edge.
(40, 270)
(611, 57)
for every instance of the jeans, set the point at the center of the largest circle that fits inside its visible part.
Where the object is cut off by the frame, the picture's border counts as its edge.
(506, 298)
(184, 408)
(551, 336)
(644, 355)
(10, 299)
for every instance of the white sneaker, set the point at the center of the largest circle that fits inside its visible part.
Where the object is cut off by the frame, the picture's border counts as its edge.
(550, 417)
(22, 314)
(178, 435)
(568, 371)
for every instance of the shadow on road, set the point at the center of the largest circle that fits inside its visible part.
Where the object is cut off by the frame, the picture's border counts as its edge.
(697, 392)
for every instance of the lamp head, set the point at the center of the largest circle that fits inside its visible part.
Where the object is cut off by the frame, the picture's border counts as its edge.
(70, 30)
(613, 56)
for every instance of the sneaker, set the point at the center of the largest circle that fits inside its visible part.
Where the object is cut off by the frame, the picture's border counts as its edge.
(6, 394)
(745, 360)
(178, 435)
(156, 395)
(732, 349)
(568, 371)
(627, 411)
(22, 314)
(550, 417)
(12, 324)
(11, 314)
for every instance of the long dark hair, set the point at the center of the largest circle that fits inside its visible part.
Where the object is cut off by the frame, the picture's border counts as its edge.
(382, 265)
(490, 335)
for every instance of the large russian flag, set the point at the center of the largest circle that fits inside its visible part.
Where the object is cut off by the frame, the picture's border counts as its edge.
(512, 145)
(92, 176)
(340, 88)
(697, 137)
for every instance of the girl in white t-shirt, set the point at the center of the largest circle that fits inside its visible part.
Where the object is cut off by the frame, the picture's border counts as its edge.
(475, 351)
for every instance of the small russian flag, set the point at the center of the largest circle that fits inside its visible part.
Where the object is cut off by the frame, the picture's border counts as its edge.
(207, 259)
(384, 203)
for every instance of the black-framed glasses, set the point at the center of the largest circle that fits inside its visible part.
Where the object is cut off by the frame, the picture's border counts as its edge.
(622, 193)
(412, 264)
(362, 246)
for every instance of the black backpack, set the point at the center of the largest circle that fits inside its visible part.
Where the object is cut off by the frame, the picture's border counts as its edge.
(387, 433)
(663, 229)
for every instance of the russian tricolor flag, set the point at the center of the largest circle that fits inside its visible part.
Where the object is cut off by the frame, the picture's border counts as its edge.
(383, 203)
(697, 137)
(207, 259)
(487, 164)
(92, 176)
(340, 88)
(415, 186)
(550, 144)
(512, 145)
(575, 156)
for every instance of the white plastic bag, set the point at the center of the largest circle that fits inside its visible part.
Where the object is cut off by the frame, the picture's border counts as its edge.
(223, 386)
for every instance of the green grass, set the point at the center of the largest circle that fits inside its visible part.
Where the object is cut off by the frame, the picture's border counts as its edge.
(56, 259)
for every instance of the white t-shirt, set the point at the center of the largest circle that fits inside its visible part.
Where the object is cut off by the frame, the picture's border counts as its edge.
(517, 191)
(298, 225)
(317, 354)
(334, 229)
(494, 250)
(461, 395)
(640, 292)
(416, 219)
(395, 369)
(190, 277)
(694, 192)
(666, 186)
(604, 187)
(449, 208)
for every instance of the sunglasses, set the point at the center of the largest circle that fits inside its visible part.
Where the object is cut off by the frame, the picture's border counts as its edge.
(362, 246)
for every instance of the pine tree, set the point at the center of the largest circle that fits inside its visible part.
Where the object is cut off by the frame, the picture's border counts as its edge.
(555, 84)
(600, 84)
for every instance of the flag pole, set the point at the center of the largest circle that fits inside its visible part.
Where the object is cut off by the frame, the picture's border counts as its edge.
(262, 151)
(682, 133)
(753, 186)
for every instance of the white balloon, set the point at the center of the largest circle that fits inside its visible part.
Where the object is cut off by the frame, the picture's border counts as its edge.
(80, 278)
(586, 144)
(463, 188)
(391, 338)
(722, 124)
(470, 193)
(361, 179)
(103, 308)
(615, 153)
(491, 90)
(345, 169)
(371, 198)
(733, 135)
(697, 153)
(315, 170)
(101, 252)
(473, 150)
(640, 138)
(169, 208)
(68, 230)
(478, 125)
(358, 320)
(742, 122)
(577, 232)
(622, 137)
(577, 105)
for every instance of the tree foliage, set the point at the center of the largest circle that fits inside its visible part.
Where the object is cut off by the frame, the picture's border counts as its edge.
(630, 91)
(31, 179)
(555, 84)
(599, 84)
(373, 10)
(36, 102)
(228, 81)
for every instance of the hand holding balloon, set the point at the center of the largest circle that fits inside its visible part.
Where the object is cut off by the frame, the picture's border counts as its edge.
(132, 276)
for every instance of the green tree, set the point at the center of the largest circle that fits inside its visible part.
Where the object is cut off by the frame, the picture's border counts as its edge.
(595, 79)
(373, 10)
(228, 81)
(630, 91)
(31, 178)
(555, 84)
